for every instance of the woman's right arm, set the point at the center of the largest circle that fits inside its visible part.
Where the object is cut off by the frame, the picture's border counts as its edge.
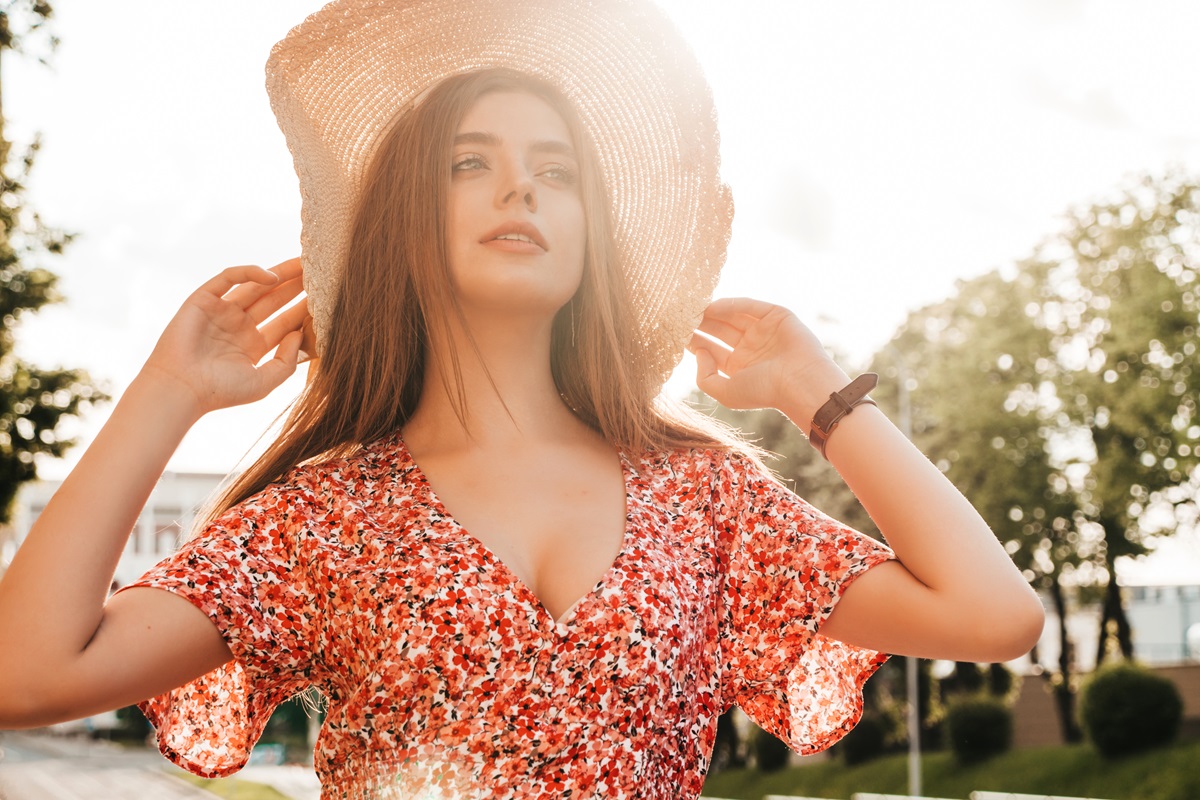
(64, 653)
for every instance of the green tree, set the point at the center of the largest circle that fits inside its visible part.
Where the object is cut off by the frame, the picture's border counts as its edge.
(1118, 296)
(33, 401)
(967, 373)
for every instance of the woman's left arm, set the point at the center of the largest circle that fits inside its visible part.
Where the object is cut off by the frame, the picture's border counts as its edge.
(953, 592)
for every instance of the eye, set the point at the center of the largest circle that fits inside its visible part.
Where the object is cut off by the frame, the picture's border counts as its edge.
(468, 162)
(560, 173)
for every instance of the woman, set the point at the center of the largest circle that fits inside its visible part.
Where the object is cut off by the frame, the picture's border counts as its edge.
(509, 568)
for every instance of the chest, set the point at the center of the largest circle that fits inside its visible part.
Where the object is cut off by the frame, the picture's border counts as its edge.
(555, 526)
(428, 607)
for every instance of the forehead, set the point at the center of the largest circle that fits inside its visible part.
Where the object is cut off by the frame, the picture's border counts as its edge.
(514, 115)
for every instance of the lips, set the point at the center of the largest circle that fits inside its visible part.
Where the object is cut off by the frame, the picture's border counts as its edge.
(517, 232)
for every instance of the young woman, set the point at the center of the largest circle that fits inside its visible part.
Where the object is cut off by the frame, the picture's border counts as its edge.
(511, 569)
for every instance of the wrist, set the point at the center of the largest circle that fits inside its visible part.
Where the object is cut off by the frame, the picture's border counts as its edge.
(838, 406)
(171, 397)
(809, 390)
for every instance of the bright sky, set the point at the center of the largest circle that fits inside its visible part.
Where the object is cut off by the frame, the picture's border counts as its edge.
(877, 151)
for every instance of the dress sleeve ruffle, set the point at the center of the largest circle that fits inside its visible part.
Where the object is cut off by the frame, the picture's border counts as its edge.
(787, 566)
(247, 571)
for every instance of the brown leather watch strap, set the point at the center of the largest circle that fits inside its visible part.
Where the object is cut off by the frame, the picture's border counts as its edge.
(839, 405)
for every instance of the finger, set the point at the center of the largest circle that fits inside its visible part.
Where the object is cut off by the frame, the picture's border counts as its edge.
(289, 320)
(275, 298)
(729, 308)
(715, 353)
(288, 269)
(721, 330)
(708, 376)
(247, 294)
(230, 277)
(281, 366)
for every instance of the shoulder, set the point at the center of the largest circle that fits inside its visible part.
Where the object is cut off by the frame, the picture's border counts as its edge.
(322, 495)
(716, 463)
(710, 471)
(369, 469)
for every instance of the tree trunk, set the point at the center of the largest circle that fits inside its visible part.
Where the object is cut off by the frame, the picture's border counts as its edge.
(1064, 689)
(727, 747)
(1114, 613)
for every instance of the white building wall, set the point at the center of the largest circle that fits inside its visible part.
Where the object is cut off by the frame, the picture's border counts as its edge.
(163, 523)
(1161, 618)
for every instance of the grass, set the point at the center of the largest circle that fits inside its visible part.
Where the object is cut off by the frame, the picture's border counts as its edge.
(1075, 771)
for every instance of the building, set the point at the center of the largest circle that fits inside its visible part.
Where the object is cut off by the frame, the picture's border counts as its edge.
(1165, 621)
(165, 520)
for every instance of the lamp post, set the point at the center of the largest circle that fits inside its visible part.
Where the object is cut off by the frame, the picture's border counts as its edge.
(910, 667)
(912, 684)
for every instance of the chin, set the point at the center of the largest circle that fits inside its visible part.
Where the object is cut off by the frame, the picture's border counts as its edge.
(521, 298)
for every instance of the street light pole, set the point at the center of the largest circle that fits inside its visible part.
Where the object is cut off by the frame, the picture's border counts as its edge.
(910, 667)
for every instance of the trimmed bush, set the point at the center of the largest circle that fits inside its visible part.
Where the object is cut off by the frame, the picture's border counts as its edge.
(979, 727)
(1126, 709)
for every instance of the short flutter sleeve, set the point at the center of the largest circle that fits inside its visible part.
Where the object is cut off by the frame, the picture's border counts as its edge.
(249, 573)
(786, 566)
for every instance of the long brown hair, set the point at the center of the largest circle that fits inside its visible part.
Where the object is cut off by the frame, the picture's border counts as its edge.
(396, 290)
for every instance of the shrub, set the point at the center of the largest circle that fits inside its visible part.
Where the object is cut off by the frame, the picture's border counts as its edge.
(770, 753)
(979, 727)
(1127, 709)
(868, 739)
(133, 727)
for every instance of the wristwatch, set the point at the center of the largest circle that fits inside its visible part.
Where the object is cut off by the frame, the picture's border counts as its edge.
(839, 405)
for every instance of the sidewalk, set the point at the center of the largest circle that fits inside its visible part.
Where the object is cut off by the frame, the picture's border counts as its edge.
(35, 766)
(54, 780)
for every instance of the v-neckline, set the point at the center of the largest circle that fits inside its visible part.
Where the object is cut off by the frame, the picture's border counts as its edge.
(564, 621)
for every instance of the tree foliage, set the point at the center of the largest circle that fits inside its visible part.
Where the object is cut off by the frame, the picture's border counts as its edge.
(1118, 295)
(967, 371)
(1059, 396)
(34, 402)
(24, 27)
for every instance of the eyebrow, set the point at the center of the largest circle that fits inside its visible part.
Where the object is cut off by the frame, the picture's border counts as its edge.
(554, 146)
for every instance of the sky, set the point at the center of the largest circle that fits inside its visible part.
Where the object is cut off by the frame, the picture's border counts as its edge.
(877, 152)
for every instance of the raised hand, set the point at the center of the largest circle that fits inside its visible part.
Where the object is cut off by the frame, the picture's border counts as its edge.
(758, 355)
(211, 349)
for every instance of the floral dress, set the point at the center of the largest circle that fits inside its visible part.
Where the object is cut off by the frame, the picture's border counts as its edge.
(446, 677)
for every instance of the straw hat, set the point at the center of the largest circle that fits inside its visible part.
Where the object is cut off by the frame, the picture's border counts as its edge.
(337, 81)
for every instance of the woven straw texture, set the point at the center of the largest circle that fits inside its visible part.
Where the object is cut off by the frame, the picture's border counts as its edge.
(339, 79)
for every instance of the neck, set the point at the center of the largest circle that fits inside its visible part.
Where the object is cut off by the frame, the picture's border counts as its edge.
(509, 391)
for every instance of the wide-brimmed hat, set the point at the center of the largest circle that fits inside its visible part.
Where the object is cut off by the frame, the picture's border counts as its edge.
(338, 80)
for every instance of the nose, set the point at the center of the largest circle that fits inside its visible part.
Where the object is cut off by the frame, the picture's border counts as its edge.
(519, 187)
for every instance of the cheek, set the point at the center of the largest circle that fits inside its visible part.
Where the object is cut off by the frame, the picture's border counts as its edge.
(458, 218)
(577, 224)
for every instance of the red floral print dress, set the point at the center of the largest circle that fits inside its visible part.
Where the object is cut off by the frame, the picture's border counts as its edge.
(447, 678)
